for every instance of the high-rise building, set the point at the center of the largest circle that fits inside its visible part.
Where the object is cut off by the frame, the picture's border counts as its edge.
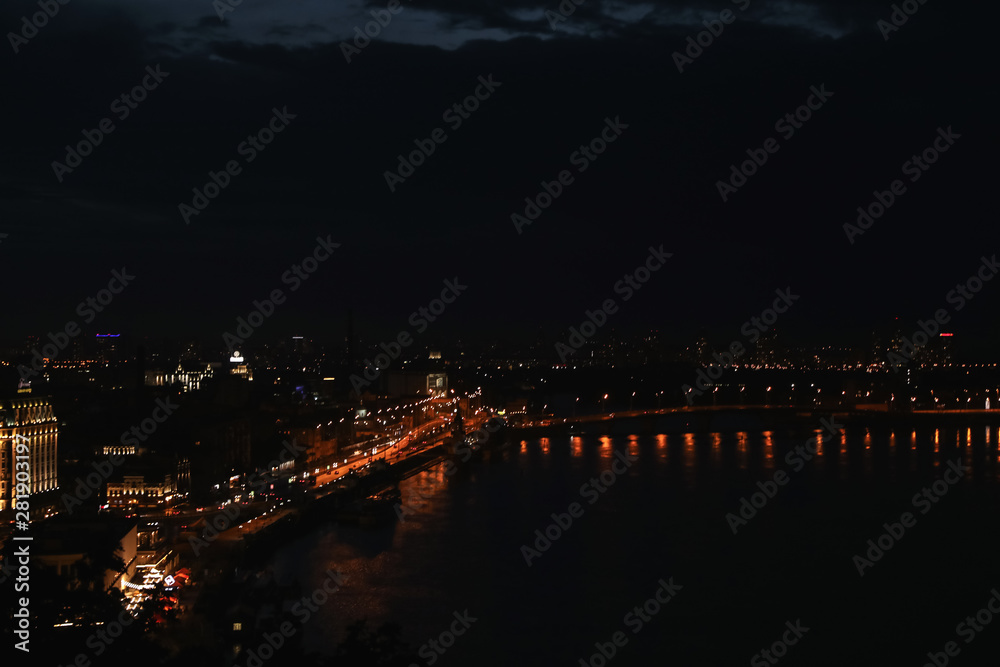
(27, 421)
(107, 348)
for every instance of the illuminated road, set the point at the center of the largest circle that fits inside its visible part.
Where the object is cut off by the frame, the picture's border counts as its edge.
(396, 452)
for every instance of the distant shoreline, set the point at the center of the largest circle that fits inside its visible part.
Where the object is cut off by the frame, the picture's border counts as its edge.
(729, 418)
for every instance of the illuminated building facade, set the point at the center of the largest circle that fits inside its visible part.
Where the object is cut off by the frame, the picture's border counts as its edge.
(134, 493)
(239, 366)
(189, 377)
(30, 421)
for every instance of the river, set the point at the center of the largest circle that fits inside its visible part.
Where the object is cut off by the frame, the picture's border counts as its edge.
(667, 516)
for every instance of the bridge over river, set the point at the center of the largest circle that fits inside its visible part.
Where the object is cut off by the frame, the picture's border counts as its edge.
(745, 417)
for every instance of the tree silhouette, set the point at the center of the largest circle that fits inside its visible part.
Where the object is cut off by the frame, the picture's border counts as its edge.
(100, 555)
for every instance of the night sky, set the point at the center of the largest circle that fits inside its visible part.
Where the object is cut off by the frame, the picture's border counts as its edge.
(324, 174)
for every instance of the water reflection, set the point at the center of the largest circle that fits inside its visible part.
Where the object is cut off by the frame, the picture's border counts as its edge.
(633, 445)
(436, 555)
(605, 448)
(768, 449)
(866, 452)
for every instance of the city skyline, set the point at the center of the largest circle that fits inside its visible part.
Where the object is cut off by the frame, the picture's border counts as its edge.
(391, 334)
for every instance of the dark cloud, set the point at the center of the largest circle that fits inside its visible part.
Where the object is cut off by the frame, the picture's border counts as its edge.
(211, 22)
(324, 174)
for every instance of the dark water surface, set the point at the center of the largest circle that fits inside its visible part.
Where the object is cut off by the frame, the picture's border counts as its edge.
(665, 518)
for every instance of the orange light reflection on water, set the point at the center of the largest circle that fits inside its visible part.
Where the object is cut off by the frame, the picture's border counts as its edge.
(768, 449)
(741, 448)
(661, 446)
(605, 447)
(633, 445)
